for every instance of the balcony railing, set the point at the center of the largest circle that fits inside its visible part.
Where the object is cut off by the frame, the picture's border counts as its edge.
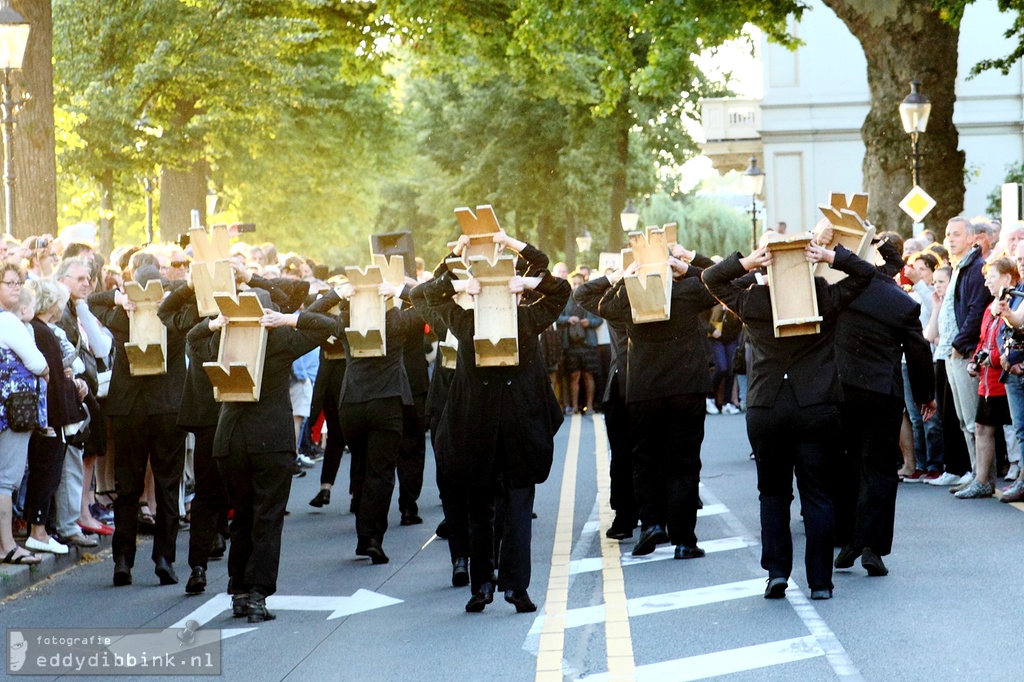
(729, 118)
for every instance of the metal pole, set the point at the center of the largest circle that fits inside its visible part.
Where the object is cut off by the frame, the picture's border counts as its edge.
(8, 105)
(147, 185)
(753, 223)
(917, 159)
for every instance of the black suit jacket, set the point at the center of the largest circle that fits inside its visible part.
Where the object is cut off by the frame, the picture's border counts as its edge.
(665, 358)
(588, 296)
(265, 425)
(160, 393)
(874, 333)
(807, 361)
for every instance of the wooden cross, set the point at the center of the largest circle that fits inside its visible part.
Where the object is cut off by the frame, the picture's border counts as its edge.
(147, 345)
(211, 267)
(237, 375)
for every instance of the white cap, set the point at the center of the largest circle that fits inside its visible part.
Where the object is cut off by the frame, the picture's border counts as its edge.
(79, 233)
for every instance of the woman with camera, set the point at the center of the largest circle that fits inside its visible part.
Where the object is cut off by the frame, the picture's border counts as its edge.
(993, 408)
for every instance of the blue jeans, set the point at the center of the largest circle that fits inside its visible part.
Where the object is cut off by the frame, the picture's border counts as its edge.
(928, 447)
(1015, 396)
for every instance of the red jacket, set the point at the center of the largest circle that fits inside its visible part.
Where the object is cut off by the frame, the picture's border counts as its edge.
(988, 377)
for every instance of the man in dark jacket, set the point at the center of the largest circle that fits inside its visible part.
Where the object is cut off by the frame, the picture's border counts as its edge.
(792, 408)
(873, 334)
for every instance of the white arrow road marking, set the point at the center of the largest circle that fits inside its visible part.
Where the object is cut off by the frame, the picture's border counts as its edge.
(659, 603)
(726, 662)
(362, 600)
(708, 510)
(591, 564)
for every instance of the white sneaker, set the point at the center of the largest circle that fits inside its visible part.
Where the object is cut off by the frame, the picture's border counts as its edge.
(945, 479)
(1013, 473)
(712, 408)
(729, 408)
(51, 546)
(305, 461)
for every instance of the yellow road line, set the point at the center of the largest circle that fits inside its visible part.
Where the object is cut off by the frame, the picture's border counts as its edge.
(552, 636)
(618, 638)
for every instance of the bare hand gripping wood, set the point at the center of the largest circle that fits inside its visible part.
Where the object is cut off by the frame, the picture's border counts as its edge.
(147, 337)
(237, 375)
(791, 287)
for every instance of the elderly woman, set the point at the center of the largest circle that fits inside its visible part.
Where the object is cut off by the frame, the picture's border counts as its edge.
(64, 396)
(21, 364)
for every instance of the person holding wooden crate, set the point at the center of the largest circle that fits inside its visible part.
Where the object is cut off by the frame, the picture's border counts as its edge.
(792, 406)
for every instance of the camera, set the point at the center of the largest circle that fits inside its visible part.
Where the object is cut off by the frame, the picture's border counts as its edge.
(981, 358)
(1007, 292)
(41, 243)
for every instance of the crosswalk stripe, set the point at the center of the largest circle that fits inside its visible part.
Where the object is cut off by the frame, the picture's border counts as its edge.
(725, 662)
(591, 564)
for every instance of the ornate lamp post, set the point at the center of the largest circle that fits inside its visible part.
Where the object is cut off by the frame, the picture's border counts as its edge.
(13, 40)
(753, 184)
(914, 111)
(629, 217)
(584, 241)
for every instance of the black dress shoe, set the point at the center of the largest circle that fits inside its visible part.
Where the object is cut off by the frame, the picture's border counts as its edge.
(411, 519)
(122, 572)
(776, 588)
(650, 538)
(220, 546)
(686, 552)
(375, 551)
(197, 581)
(442, 530)
(239, 605)
(521, 600)
(323, 497)
(483, 596)
(165, 572)
(361, 544)
(460, 572)
(847, 555)
(256, 608)
(819, 595)
(873, 563)
(614, 533)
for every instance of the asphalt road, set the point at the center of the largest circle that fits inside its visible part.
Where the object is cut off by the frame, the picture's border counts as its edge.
(947, 611)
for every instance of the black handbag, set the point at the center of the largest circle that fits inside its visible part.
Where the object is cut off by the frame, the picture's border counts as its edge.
(23, 410)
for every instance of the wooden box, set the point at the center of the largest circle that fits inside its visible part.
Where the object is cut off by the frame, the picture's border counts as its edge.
(496, 332)
(211, 267)
(367, 308)
(791, 287)
(481, 228)
(147, 338)
(848, 229)
(237, 375)
(650, 289)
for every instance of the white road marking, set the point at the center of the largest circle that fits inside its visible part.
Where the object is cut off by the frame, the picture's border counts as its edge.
(725, 662)
(591, 564)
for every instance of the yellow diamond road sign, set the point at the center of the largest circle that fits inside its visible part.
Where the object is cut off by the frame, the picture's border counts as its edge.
(917, 204)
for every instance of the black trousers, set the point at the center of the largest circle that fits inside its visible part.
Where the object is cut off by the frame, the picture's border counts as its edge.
(516, 532)
(623, 497)
(373, 430)
(788, 438)
(258, 484)
(666, 435)
(455, 506)
(45, 464)
(335, 442)
(140, 438)
(210, 504)
(866, 480)
(412, 454)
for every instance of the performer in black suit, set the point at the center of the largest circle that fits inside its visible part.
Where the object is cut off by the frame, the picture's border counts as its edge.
(144, 412)
(666, 384)
(198, 414)
(792, 409)
(254, 447)
(873, 334)
(413, 446)
(496, 435)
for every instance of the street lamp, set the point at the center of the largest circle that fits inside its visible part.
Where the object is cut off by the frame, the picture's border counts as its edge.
(629, 217)
(13, 39)
(584, 241)
(914, 111)
(753, 184)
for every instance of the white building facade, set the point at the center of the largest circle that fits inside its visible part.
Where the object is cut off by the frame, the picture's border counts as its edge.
(806, 130)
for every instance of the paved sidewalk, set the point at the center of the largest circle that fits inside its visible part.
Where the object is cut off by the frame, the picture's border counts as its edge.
(16, 577)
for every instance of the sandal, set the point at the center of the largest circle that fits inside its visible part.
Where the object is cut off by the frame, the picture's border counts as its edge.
(28, 559)
(146, 518)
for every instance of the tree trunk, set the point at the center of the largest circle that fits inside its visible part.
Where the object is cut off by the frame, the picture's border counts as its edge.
(183, 190)
(903, 40)
(34, 158)
(623, 122)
